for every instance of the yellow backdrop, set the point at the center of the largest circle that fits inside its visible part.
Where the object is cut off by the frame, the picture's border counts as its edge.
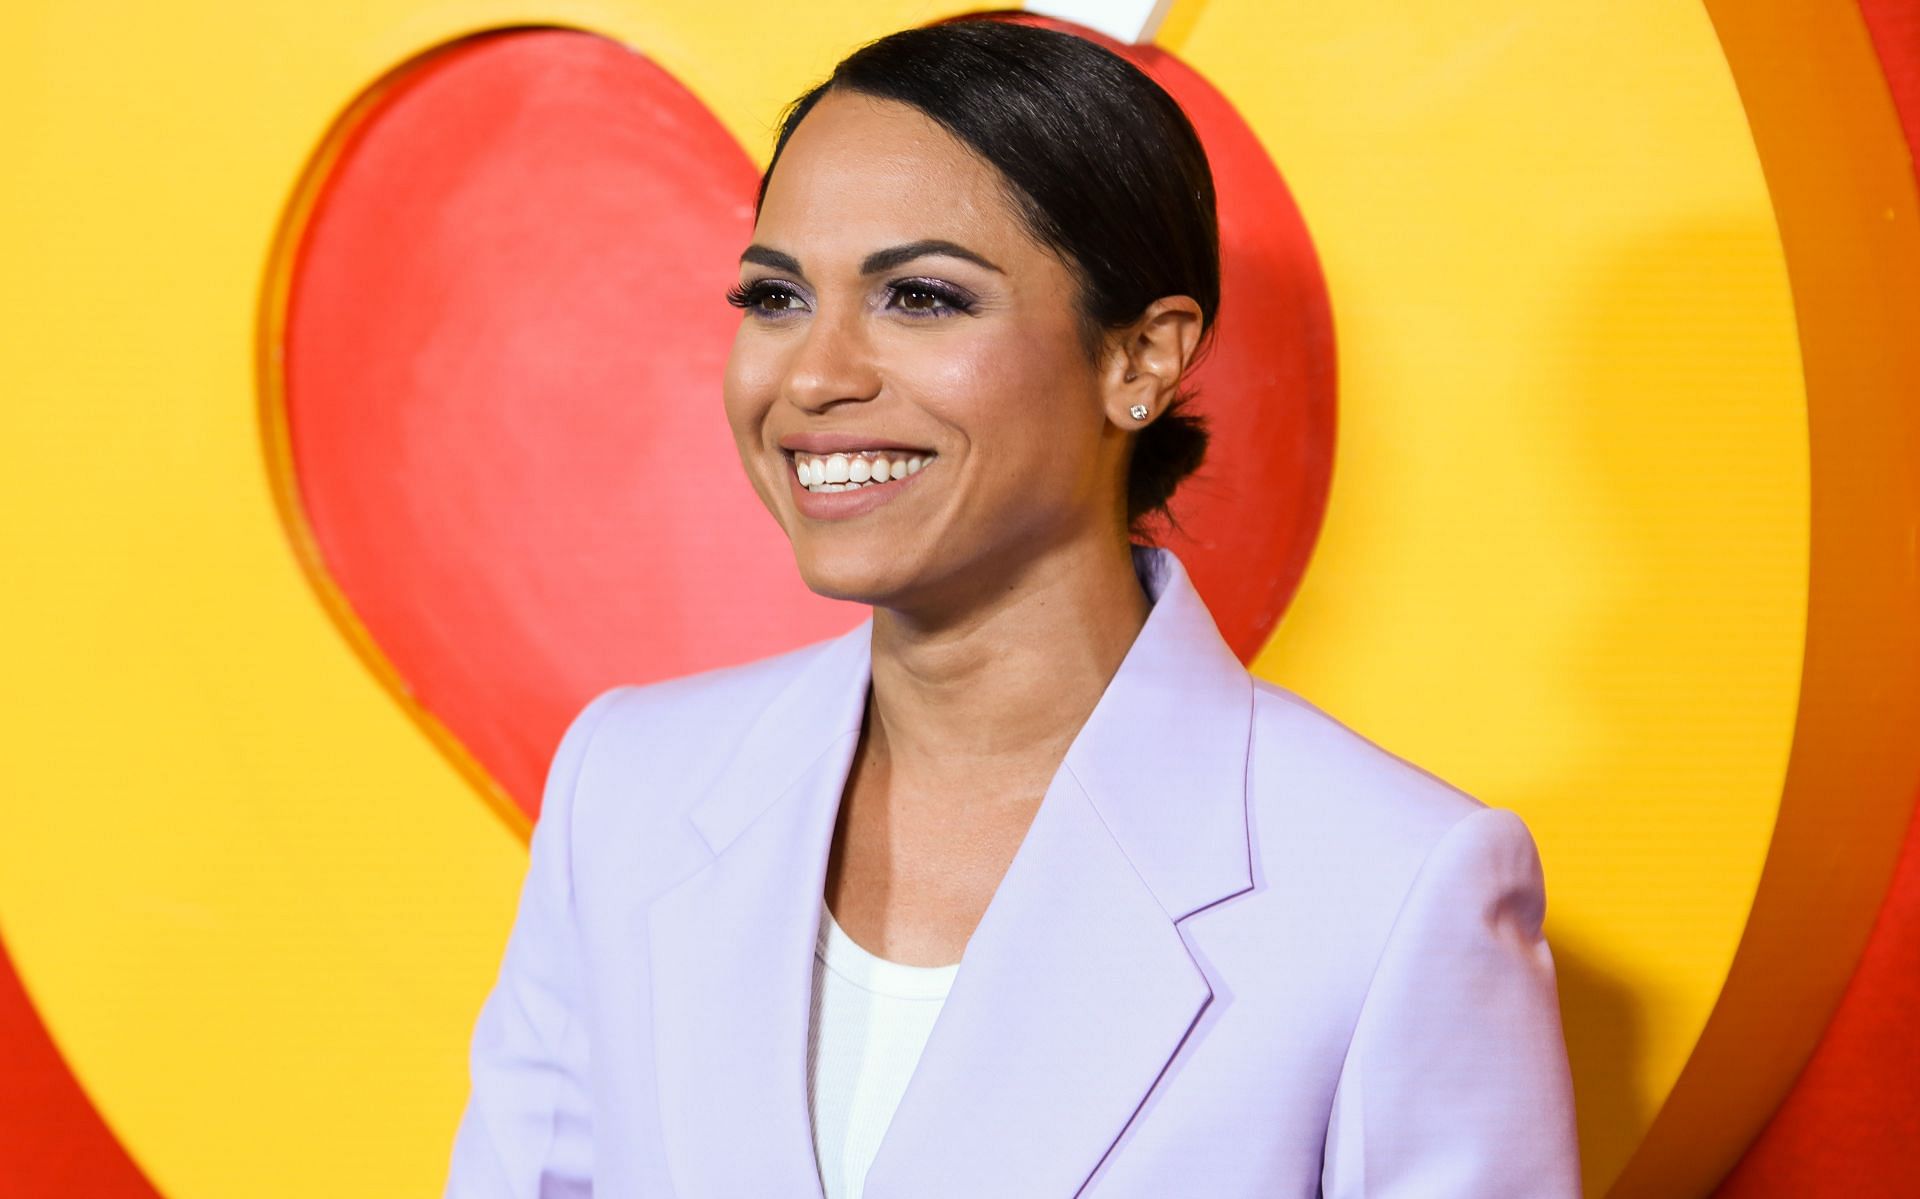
(1565, 562)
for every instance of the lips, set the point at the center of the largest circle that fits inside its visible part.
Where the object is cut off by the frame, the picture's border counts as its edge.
(822, 443)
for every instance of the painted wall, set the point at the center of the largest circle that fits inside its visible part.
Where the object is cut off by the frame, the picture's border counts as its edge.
(1569, 449)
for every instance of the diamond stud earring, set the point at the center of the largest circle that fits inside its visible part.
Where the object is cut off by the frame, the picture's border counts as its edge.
(1138, 411)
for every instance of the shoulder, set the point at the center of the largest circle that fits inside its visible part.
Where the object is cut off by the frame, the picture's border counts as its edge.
(717, 701)
(640, 751)
(1335, 816)
(1308, 760)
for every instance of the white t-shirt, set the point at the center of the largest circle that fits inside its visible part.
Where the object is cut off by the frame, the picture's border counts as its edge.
(871, 1018)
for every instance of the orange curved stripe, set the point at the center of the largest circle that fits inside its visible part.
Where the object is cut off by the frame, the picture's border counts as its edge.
(1843, 191)
(1853, 1118)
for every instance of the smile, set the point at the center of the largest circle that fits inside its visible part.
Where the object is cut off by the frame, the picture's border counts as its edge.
(824, 473)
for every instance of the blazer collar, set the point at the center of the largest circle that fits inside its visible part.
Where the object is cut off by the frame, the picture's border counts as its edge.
(1163, 756)
(1076, 989)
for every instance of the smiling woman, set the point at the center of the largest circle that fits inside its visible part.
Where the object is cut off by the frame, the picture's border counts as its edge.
(1004, 268)
(964, 347)
(1024, 886)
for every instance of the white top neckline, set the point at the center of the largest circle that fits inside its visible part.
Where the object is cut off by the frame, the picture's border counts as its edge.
(874, 974)
(871, 1018)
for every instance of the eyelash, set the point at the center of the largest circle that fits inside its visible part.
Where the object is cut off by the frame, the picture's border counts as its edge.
(956, 303)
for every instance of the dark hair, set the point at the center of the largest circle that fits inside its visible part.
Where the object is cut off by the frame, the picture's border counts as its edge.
(1104, 166)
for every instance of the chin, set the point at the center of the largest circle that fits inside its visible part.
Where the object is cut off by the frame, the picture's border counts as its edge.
(854, 573)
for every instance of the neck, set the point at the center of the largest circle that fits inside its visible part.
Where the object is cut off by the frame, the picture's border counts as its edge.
(986, 703)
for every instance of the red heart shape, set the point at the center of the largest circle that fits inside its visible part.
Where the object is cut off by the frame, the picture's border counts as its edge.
(503, 346)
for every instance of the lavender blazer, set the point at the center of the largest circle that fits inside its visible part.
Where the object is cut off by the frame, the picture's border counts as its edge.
(1241, 952)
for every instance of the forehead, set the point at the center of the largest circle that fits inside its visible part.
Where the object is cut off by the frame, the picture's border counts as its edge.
(860, 171)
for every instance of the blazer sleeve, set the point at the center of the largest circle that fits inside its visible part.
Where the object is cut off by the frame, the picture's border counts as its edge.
(526, 1132)
(1456, 1080)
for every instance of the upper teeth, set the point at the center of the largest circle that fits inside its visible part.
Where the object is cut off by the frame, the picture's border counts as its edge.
(843, 472)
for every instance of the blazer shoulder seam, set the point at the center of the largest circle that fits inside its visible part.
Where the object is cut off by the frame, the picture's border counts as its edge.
(1412, 886)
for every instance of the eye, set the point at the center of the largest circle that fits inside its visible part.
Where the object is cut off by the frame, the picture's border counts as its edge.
(928, 297)
(766, 297)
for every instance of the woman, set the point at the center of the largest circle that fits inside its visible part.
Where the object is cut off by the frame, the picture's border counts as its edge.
(1024, 887)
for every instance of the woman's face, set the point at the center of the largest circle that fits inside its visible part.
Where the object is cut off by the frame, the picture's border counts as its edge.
(897, 309)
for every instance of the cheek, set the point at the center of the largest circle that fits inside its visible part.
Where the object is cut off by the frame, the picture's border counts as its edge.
(1021, 398)
(749, 385)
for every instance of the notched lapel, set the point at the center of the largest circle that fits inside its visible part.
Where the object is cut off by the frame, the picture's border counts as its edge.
(1076, 990)
(732, 968)
(731, 957)
(1073, 995)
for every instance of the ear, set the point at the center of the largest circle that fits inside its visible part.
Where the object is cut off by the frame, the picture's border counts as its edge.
(1145, 360)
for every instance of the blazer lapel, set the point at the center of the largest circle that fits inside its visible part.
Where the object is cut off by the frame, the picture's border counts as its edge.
(732, 945)
(1075, 991)
(1072, 996)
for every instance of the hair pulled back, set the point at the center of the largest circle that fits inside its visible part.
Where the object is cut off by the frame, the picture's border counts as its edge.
(1101, 162)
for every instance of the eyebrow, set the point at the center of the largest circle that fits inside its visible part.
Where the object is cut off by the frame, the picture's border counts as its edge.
(874, 263)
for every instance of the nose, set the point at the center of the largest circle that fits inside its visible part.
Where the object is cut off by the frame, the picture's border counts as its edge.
(832, 364)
